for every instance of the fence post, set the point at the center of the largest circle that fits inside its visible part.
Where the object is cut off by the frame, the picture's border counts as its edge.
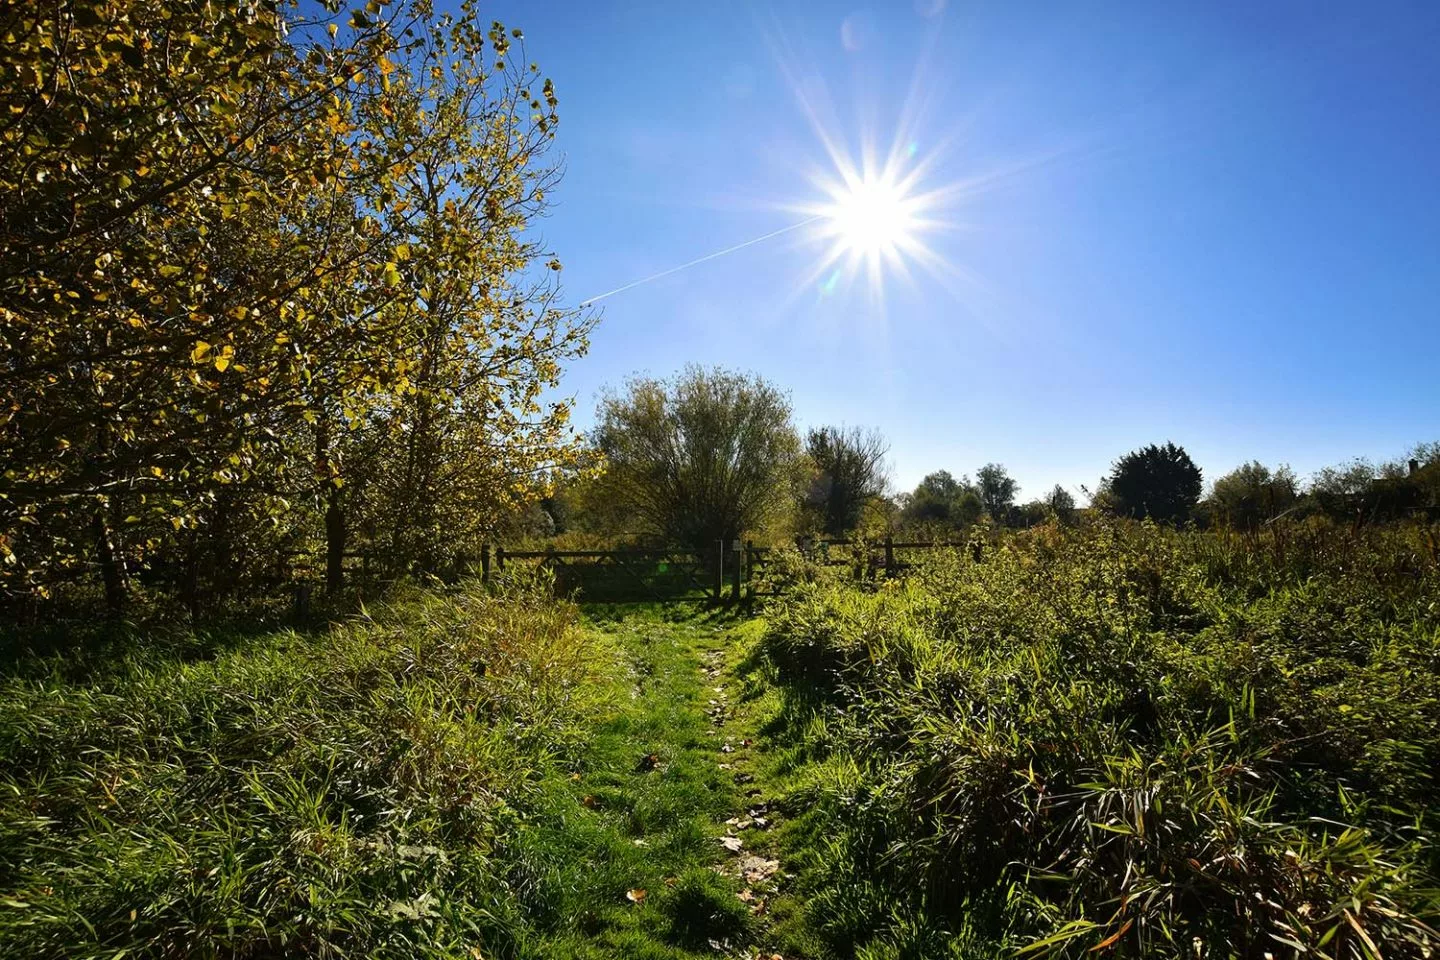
(302, 600)
(500, 559)
(719, 570)
(485, 563)
(750, 563)
(735, 570)
(889, 555)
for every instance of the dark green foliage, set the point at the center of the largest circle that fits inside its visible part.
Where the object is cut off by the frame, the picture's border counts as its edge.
(997, 491)
(1123, 739)
(941, 500)
(849, 472)
(1158, 482)
(702, 907)
(1251, 494)
(1061, 502)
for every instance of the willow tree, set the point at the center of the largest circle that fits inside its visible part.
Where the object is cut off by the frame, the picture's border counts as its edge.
(705, 456)
(224, 236)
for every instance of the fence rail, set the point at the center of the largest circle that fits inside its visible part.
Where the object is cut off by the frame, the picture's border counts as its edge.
(729, 571)
(732, 567)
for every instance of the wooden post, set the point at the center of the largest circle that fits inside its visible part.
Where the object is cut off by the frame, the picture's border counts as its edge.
(889, 555)
(302, 600)
(735, 571)
(485, 563)
(750, 563)
(719, 570)
(500, 559)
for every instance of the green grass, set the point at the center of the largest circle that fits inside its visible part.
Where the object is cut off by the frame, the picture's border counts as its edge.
(459, 775)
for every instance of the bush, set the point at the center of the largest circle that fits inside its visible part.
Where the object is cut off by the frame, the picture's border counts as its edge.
(1128, 739)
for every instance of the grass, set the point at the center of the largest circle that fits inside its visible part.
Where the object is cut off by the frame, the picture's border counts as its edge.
(1119, 740)
(459, 775)
(1114, 740)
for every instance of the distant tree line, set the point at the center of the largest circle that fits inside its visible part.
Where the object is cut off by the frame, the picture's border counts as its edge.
(714, 455)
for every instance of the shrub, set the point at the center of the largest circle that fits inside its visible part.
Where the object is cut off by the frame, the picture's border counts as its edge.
(1129, 739)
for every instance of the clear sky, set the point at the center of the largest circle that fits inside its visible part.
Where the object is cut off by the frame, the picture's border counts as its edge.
(1216, 223)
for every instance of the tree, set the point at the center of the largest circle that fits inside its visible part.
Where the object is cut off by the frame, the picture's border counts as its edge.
(1159, 482)
(1061, 503)
(848, 467)
(1251, 494)
(252, 257)
(997, 491)
(704, 456)
(940, 499)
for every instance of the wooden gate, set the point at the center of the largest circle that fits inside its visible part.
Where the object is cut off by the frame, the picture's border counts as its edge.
(625, 575)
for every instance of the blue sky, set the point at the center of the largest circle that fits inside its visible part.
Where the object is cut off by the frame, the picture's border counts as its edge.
(1214, 223)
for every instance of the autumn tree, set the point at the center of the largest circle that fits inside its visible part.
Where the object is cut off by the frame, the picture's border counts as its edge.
(847, 472)
(704, 456)
(213, 261)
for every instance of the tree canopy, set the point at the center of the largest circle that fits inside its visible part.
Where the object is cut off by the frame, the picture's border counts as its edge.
(1158, 482)
(847, 472)
(264, 280)
(704, 456)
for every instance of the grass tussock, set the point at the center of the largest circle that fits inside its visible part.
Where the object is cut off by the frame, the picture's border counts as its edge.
(286, 795)
(1122, 740)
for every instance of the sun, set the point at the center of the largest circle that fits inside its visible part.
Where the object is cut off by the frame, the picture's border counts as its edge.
(872, 217)
(872, 221)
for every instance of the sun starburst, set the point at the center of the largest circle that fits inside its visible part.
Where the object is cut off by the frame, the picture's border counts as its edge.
(873, 220)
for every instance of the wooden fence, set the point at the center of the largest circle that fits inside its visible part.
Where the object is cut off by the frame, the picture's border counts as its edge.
(729, 571)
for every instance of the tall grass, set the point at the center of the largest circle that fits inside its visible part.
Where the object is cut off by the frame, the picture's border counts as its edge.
(340, 795)
(1124, 740)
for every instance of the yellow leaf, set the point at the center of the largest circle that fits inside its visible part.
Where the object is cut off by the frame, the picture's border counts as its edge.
(198, 354)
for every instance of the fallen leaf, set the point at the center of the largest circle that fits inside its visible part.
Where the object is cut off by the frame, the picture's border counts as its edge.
(733, 844)
(588, 801)
(757, 869)
(635, 896)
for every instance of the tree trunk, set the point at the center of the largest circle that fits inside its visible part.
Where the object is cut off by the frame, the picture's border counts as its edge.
(335, 532)
(111, 569)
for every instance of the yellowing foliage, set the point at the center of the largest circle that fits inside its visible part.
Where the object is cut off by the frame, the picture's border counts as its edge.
(251, 257)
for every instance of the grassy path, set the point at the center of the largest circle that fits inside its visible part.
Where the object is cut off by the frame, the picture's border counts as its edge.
(657, 844)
